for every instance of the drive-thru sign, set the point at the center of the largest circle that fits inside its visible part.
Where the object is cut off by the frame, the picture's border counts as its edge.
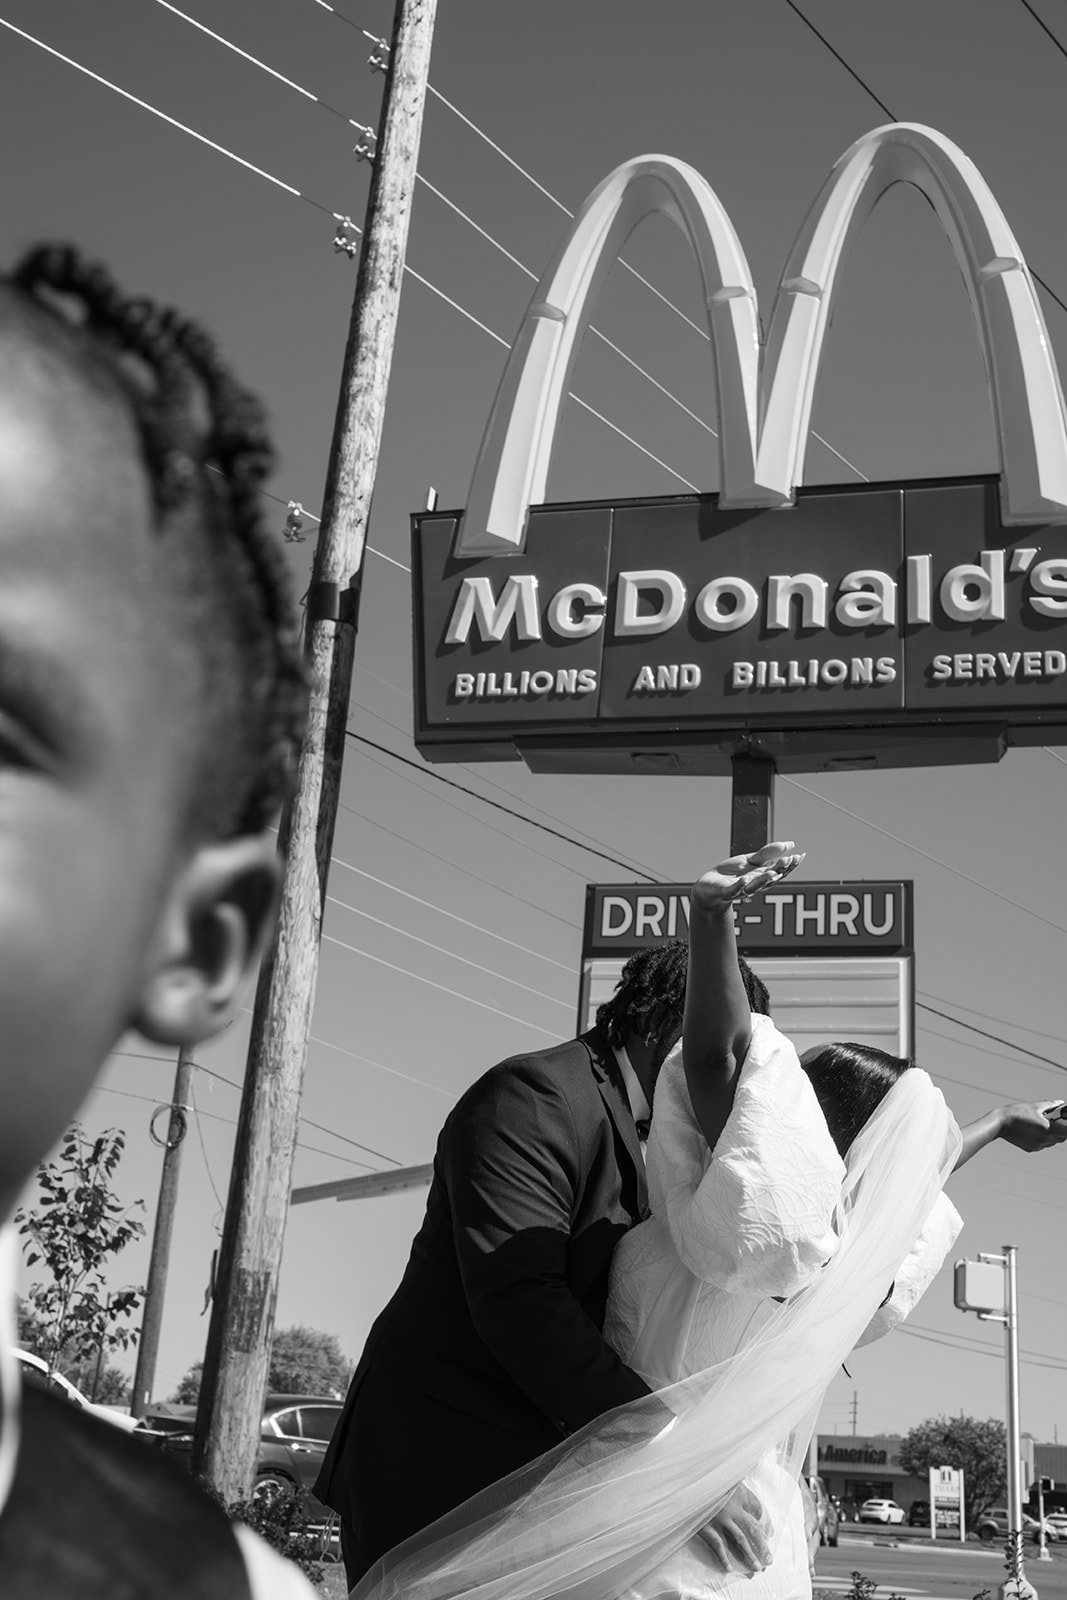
(837, 957)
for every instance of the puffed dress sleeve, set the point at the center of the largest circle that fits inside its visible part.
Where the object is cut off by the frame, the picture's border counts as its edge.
(755, 1216)
(918, 1269)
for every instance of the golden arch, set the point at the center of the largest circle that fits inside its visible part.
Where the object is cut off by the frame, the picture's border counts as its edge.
(765, 394)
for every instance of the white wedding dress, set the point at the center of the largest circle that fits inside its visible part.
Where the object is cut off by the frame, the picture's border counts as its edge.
(733, 1233)
(761, 1268)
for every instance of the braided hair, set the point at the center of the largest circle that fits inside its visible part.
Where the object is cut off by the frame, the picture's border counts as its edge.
(206, 453)
(650, 994)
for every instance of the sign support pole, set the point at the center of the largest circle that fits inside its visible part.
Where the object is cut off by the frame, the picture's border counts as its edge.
(751, 803)
(242, 1320)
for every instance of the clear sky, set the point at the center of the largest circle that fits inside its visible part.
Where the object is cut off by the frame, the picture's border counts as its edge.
(412, 1004)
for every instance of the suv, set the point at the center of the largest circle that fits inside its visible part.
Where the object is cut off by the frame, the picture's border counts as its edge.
(293, 1436)
(825, 1511)
(993, 1524)
(919, 1514)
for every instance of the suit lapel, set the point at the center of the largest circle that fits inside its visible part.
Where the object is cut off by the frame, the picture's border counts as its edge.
(609, 1083)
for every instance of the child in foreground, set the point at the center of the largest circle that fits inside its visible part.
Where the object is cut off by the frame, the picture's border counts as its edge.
(151, 699)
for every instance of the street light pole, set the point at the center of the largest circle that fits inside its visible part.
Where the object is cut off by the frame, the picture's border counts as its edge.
(1011, 1334)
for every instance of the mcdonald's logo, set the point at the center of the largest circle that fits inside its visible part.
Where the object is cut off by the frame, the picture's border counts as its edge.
(765, 397)
(868, 625)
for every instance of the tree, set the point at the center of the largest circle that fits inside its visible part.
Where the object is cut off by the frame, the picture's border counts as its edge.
(979, 1448)
(302, 1361)
(80, 1224)
(188, 1391)
(100, 1381)
(305, 1361)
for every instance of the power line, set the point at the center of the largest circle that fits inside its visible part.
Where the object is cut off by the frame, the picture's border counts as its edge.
(1044, 27)
(255, 61)
(926, 855)
(214, 1116)
(452, 915)
(567, 212)
(455, 993)
(354, 1055)
(282, 501)
(335, 216)
(972, 1027)
(865, 86)
(978, 1349)
(1008, 1022)
(576, 837)
(165, 117)
(446, 861)
(522, 844)
(453, 955)
(203, 1150)
(972, 1049)
(497, 805)
(439, 194)
(231, 1083)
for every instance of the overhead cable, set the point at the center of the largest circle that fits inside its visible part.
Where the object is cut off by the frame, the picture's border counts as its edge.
(453, 955)
(865, 86)
(444, 989)
(361, 738)
(339, 217)
(926, 855)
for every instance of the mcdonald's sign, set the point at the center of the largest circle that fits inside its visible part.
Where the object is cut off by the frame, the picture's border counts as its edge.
(876, 624)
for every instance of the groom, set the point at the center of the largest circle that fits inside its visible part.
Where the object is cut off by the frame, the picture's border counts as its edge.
(490, 1351)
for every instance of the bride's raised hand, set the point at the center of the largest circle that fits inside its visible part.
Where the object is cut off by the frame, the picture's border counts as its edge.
(738, 878)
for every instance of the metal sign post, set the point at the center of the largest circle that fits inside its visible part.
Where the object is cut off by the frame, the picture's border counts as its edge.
(977, 1289)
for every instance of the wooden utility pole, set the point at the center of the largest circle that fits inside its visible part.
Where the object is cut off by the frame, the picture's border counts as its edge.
(242, 1321)
(152, 1319)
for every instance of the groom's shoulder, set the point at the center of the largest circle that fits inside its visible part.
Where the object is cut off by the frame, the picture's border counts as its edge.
(564, 1071)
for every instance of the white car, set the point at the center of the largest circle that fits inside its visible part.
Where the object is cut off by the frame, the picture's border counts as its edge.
(71, 1392)
(1056, 1522)
(881, 1511)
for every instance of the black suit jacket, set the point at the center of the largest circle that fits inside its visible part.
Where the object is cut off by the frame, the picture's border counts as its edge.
(491, 1351)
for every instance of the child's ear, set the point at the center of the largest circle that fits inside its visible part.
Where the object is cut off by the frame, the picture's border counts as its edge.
(208, 939)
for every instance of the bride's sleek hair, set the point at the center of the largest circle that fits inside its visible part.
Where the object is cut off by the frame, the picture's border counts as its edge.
(850, 1081)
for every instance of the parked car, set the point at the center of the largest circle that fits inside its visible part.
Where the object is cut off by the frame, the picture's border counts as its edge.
(35, 1372)
(919, 1514)
(825, 1511)
(1057, 1521)
(993, 1524)
(293, 1436)
(881, 1511)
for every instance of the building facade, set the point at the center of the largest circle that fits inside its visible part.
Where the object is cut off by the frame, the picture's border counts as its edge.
(858, 1467)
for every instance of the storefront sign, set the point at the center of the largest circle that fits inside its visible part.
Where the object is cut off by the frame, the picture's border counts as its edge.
(908, 610)
(946, 1502)
(871, 625)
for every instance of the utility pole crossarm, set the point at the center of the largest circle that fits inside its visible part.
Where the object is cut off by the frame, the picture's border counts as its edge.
(374, 1183)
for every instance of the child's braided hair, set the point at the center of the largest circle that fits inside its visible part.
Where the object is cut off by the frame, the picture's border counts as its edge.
(207, 453)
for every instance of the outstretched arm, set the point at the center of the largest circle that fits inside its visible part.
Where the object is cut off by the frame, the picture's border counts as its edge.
(1029, 1126)
(717, 1026)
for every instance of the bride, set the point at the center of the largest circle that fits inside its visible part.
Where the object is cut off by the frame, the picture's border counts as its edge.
(796, 1211)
